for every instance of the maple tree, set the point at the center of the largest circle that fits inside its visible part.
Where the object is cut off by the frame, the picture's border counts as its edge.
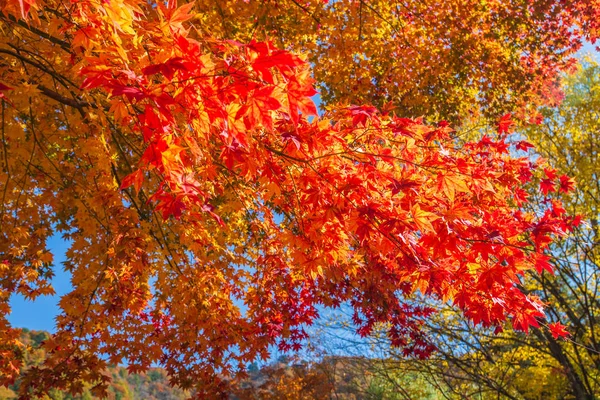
(210, 211)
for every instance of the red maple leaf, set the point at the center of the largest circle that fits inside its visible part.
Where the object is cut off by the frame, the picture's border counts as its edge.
(504, 124)
(524, 145)
(550, 173)
(566, 184)
(129, 91)
(557, 330)
(135, 179)
(168, 68)
(360, 114)
(547, 186)
(541, 263)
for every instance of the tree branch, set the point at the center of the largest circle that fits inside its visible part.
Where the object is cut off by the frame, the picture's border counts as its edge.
(63, 44)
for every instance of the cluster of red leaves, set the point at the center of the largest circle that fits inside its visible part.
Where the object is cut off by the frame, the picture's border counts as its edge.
(375, 206)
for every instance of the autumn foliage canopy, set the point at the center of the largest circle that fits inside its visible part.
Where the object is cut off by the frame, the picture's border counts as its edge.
(211, 213)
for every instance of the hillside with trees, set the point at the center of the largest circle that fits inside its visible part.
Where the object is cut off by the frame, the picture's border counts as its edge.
(151, 385)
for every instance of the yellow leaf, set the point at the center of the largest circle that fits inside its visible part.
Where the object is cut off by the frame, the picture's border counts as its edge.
(423, 218)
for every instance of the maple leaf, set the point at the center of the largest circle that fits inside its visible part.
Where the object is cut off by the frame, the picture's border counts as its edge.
(136, 178)
(547, 186)
(576, 220)
(550, 173)
(398, 186)
(177, 16)
(422, 219)
(360, 114)
(259, 106)
(96, 76)
(525, 319)
(206, 207)
(299, 98)
(541, 263)
(130, 92)
(557, 330)
(278, 59)
(168, 68)
(524, 145)
(566, 183)
(450, 184)
(504, 124)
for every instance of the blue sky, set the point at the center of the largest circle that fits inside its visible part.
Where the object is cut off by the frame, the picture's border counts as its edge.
(589, 49)
(40, 314)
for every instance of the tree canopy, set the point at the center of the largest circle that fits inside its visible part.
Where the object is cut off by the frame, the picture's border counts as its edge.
(211, 211)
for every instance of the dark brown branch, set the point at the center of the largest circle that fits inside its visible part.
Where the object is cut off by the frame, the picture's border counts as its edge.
(72, 102)
(63, 45)
(307, 11)
(65, 82)
(64, 100)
